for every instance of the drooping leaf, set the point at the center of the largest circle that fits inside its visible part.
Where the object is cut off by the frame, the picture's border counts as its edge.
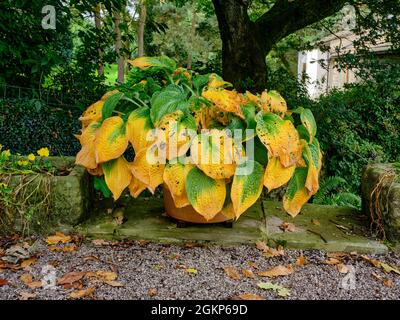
(312, 156)
(206, 195)
(226, 100)
(247, 186)
(117, 175)
(296, 194)
(138, 127)
(215, 82)
(136, 187)
(277, 175)
(111, 140)
(101, 185)
(110, 104)
(148, 169)
(86, 157)
(92, 114)
(273, 101)
(307, 118)
(175, 178)
(279, 136)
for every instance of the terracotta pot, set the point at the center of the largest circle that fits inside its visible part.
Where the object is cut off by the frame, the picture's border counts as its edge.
(187, 214)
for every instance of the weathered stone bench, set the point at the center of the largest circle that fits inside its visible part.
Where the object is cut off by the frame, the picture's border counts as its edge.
(381, 198)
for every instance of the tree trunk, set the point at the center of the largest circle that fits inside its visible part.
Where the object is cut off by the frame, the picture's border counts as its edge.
(97, 21)
(192, 35)
(142, 24)
(118, 46)
(243, 49)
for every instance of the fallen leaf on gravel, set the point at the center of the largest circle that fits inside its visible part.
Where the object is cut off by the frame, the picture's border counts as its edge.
(152, 292)
(191, 270)
(28, 262)
(106, 275)
(374, 262)
(27, 295)
(268, 251)
(142, 243)
(337, 255)
(54, 248)
(281, 291)
(26, 278)
(315, 222)
(57, 238)
(3, 282)
(388, 268)
(91, 258)
(70, 248)
(332, 261)
(232, 273)
(75, 285)
(252, 264)
(248, 273)
(82, 293)
(387, 283)
(287, 227)
(250, 296)
(100, 242)
(35, 284)
(301, 261)
(114, 283)
(342, 268)
(70, 277)
(277, 271)
(16, 253)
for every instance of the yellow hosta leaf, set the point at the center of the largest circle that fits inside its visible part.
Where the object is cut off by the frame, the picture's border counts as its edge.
(147, 169)
(228, 211)
(175, 127)
(279, 136)
(117, 175)
(214, 153)
(136, 187)
(273, 101)
(253, 98)
(98, 171)
(246, 188)
(111, 140)
(277, 175)
(137, 128)
(142, 62)
(86, 156)
(92, 114)
(314, 161)
(226, 100)
(216, 81)
(175, 177)
(108, 94)
(296, 194)
(206, 195)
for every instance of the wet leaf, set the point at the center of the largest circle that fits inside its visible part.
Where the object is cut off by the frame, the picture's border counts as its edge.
(281, 291)
(250, 296)
(82, 293)
(57, 238)
(232, 273)
(277, 271)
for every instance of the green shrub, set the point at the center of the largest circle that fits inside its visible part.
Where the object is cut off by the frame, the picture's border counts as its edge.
(357, 126)
(28, 125)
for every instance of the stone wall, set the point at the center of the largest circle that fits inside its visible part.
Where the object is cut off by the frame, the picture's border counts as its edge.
(380, 189)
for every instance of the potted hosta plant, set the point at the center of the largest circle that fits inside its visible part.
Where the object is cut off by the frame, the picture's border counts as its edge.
(211, 148)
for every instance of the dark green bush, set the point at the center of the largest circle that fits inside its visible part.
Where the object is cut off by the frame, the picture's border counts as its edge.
(28, 125)
(357, 126)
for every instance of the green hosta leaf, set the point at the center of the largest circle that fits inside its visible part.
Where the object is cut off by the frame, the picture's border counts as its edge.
(110, 104)
(303, 132)
(100, 185)
(307, 118)
(281, 291)
(296, 194)
(247, 187)
(168, 100)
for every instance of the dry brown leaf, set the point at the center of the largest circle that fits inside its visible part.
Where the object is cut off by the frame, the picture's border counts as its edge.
(91, 258)
(261, 245)
(70, 248)
(3, 282)
(268, 251)
(54, 248)
(248, 273)
(252, 264)
(250, 296)
(35, 284)
(82, 293)
(152, 292)
(100, 242)
(26, 278)
(232, 273)
(75, 285)
(277, 271)
(387, 283)
(301, 261)
(287, 227)
(27, 296)
(374, 262)
(28, 262)
(114, 283)
(106, 275)
(342, 268)
(332, 261)
(142, 243)
(59, 237)
(70, 277)
(315, 222)
(337, 255)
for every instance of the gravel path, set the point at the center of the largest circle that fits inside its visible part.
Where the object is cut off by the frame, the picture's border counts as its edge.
(155, 271)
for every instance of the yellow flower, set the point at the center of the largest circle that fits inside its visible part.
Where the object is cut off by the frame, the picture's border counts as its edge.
(22, 163)
(44, 152)
(31, 157)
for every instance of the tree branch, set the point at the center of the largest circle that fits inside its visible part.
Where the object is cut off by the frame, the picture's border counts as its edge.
(288, 16)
